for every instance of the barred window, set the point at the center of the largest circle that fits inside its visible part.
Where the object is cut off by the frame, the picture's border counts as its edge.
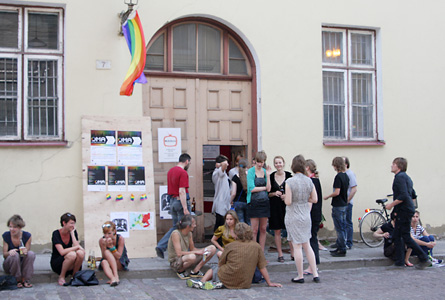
(31, 54)
(349, 84)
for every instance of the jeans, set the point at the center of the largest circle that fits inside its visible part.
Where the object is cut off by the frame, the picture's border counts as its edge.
(177, 213)
(349, 227)
(241, 211)
(402, 234)
(339, 218)
(425, 249)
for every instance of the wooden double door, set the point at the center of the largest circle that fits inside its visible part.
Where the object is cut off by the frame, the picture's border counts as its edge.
(209, 112)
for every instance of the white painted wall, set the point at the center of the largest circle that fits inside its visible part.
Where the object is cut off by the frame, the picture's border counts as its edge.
(41, 183)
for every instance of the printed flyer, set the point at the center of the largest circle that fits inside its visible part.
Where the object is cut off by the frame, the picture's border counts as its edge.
(103, 147)
(129, 148)
(96, 179)
(136, 179)
(116, 179)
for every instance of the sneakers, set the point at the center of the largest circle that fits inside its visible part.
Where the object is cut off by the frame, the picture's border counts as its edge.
(197, 274)
(434, 260)
(182, 275)
(218, 285)
(159, 252)
(194, 283)
(197, 284)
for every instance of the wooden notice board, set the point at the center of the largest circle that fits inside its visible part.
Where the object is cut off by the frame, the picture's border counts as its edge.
(118, 182)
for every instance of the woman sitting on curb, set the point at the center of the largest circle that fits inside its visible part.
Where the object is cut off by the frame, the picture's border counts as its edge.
(67, 256)
(423, 239)
(19, 260)
(114, 253)
(226, 231)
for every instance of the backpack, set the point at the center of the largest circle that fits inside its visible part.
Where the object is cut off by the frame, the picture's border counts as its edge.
(83, 278)
(8, 282)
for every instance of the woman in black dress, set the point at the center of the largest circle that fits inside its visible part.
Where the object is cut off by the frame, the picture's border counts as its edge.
(277, 206)
(316, 212)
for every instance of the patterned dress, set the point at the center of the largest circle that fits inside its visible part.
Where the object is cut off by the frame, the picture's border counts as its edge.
(298, 214)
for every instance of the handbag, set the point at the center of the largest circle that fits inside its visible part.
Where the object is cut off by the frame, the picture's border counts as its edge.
(83, 278)
(8, 282)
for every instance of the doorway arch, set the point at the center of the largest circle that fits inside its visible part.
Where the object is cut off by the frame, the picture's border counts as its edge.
(202, 78)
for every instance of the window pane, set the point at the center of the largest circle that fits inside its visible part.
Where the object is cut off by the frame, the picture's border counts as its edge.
(362, 105)
(9, 29)
(155, 55)
(237, 62)
(209, 49)
(332, 47)
(42, 98)
(184, 48)
(334, 104)
(8, 96)
(43, 31)
(361, 49)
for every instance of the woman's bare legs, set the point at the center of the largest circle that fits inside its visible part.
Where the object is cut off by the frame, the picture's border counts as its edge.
(298, 256)
(311, 258)
(263, 232)
(109, 266)
(68, 264)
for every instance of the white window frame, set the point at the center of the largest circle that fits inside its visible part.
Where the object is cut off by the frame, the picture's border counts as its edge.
(19, 98)
(19, 33)
(349, 69)
(59, 49)
(23, 54)
(59, 95)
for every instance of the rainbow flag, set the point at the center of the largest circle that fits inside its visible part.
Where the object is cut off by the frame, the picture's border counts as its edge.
(134, 35)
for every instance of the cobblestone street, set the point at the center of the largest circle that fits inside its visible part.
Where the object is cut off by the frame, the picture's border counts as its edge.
(361, 283)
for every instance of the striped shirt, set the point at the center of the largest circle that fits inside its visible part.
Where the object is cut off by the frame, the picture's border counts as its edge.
(418, 231)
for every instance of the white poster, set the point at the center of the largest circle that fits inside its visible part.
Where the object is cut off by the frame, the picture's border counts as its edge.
(129, 148)
(169, 144)
(164, 203)
(103, 147)
(210, 151)
(120, 219)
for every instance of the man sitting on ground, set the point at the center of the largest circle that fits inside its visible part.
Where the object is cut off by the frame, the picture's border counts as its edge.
(237, 264)
(182, 253)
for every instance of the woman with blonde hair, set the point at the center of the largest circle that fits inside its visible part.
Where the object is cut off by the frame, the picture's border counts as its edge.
(114, 253)
(19, 259)
(258, 187)
(226, 232)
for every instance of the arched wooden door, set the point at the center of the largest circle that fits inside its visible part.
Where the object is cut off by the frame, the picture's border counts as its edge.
(199, 94)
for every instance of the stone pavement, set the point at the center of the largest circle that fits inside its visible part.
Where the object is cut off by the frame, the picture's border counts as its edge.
(356, 283)
(360, 256)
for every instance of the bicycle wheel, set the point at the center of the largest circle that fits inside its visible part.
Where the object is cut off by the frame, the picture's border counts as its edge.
(369, 224)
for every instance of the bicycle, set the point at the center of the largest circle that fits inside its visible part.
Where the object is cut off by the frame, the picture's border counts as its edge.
(371, 221)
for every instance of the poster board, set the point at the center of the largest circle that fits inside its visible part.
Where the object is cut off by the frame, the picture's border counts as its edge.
(118, 182)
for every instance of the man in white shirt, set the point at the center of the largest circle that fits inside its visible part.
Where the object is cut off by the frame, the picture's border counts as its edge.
(221, 201)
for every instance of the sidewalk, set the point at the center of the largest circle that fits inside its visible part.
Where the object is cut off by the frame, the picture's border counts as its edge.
(140, 268)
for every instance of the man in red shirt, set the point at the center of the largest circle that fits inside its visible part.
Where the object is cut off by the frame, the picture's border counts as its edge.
(178, 183)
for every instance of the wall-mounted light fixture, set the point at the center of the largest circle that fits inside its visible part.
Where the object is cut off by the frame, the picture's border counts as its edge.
(124, 14)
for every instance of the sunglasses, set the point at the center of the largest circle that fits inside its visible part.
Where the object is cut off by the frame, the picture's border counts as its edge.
(106, 226)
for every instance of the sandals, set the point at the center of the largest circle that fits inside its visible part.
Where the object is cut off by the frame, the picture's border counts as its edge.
(280, 259)
(27, 284)
(19, 285)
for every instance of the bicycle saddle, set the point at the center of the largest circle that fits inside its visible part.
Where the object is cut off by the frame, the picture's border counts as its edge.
(381, 201)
